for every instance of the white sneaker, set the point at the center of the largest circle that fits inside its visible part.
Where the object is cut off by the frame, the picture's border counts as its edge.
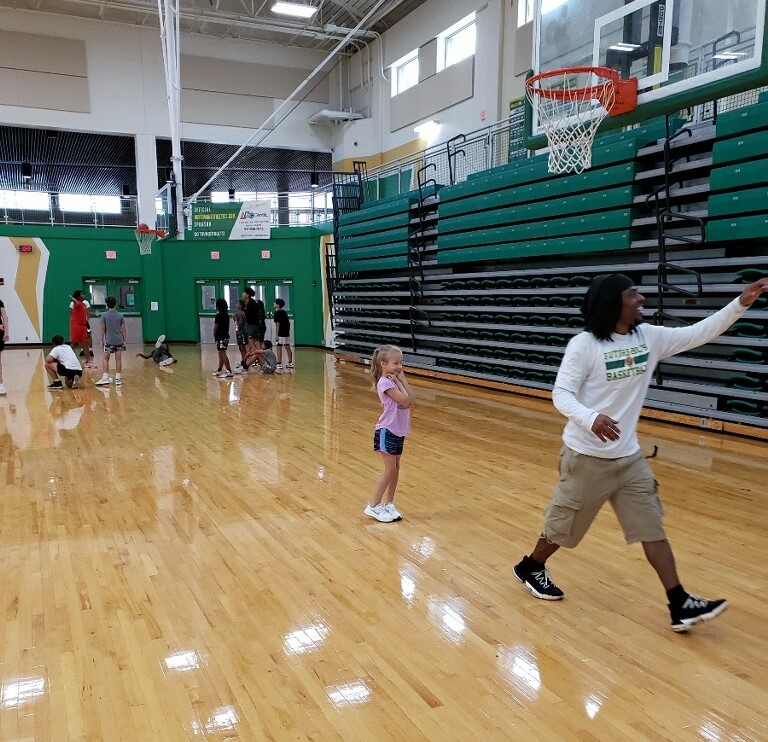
(118, 379)
(279, 367)
(159, 341)
(104, 380)
(2, 390)
(289, 365)
(216, 373)
(166, 362)
(390, 509)
(378, 512)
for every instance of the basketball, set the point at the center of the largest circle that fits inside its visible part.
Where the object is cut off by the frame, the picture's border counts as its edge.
(143, 227)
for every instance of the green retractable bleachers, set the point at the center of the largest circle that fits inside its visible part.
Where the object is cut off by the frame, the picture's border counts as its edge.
(376, 236)
(739, 178)
(521, 209)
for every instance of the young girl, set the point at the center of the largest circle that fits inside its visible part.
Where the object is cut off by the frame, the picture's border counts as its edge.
(221, 338)
(393, 425)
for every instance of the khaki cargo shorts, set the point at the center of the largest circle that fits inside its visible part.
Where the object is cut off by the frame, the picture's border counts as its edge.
(586, 482)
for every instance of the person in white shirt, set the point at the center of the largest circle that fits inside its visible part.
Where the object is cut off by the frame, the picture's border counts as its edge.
(62, 361)
(600, 387)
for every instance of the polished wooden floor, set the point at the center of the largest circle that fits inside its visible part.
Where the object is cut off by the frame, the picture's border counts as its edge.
(186, 558)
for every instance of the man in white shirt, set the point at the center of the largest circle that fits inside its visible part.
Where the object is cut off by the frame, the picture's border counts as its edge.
(62, 361)
(600, 388)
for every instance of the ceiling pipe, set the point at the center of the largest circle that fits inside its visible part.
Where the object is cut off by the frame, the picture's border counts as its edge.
(276, 114)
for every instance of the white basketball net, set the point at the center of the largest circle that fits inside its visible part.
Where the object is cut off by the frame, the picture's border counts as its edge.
(571, 119)
(145, 241)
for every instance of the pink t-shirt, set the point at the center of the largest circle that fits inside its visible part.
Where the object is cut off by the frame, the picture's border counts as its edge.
(394, 417)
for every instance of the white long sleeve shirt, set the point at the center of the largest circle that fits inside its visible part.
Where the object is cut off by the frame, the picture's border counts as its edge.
(612, 377)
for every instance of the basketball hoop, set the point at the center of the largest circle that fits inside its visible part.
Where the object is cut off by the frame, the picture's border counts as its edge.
(145, 237)
(570, 113)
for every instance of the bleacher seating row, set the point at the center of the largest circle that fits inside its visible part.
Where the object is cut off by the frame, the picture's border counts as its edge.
(516, 247)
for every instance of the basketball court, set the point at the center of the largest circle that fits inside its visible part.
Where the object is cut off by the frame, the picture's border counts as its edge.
(186, 557)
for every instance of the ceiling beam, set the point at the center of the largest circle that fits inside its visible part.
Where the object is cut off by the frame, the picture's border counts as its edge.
(220, 18)
(347, 8)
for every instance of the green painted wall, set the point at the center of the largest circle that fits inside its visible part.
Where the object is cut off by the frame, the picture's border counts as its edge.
(168, 275)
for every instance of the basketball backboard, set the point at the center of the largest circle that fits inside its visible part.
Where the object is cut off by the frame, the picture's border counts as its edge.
(683, 52)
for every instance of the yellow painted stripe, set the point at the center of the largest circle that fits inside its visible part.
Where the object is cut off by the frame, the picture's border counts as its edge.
(26, 280)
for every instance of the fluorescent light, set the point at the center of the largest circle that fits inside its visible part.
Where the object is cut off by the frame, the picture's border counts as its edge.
(294, 9)
(622, 47)
(729, 55)
(427, 127)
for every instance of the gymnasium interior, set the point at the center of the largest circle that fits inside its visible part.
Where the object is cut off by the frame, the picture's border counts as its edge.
(185, 555)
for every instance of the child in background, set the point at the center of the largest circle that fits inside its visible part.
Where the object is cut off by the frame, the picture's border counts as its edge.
(161, 355)
(3, 340)
(240, 336)
(114, 335)
(79, 327)
(221, 338)
(62, 361)
(393, 425)
(265, 358)
(282, 334)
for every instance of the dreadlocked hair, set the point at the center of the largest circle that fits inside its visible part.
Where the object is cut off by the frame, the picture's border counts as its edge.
(603, 304)
(379, 356)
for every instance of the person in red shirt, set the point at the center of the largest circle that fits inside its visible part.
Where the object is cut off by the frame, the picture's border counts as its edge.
(78, 324)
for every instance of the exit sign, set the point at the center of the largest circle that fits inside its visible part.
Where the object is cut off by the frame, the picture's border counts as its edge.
(26, 248)
(110, 255)
(266, 254)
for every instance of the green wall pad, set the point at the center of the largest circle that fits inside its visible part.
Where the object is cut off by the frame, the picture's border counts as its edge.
(742, 120)
(593, 180)
(748, 227)
(739, 176)
(565, 245)
(611, 198)
(748, 147)
(548, 228)
(741, 202)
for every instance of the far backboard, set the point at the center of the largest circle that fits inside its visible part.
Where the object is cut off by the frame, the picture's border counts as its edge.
(683, 52)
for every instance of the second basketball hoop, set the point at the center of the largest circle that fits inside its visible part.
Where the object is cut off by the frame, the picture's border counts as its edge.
(570, 104)
(145, 236)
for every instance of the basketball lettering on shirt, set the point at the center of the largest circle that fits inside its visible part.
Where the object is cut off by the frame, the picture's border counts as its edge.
(626, 362)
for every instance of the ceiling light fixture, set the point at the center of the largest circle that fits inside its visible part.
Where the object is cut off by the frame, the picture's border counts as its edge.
(314, 180)
(295, 9)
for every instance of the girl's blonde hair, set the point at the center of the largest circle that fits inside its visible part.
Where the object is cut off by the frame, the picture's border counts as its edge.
(379, 356)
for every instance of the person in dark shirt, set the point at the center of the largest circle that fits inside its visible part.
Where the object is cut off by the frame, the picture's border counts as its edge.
(282, 334)
(221, 338)
(255, 320)
(161, 355)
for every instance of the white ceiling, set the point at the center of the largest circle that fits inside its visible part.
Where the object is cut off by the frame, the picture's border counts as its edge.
(241, 19)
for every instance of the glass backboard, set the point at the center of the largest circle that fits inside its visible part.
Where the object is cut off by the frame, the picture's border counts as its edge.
(683, 52)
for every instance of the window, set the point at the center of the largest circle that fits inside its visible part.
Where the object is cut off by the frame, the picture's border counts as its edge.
(30, 200)
(81, 202)
(524, 12)
(457, 42)
(405, 72)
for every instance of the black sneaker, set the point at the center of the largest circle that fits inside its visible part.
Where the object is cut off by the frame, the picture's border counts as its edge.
(54, 385)
(695, 610)
(537, 581)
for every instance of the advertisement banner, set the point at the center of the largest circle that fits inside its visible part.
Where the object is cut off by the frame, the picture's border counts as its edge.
(232, 220)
